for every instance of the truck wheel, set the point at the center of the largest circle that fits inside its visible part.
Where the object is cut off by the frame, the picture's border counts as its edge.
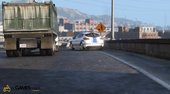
(47, 52)
(13, 53)
(26, 52)
(50, 52)
(9, 53)
(43, 52)
(17, 53)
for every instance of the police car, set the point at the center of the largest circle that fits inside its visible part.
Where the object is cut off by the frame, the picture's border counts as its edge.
(85, 40)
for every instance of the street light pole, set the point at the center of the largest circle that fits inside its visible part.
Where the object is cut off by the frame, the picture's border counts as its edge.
(112, 22)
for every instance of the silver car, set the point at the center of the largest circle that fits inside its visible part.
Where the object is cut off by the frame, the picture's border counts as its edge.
(86, 40)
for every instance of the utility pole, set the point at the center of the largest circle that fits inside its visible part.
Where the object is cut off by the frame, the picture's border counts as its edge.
(34, 1)
(112, 23)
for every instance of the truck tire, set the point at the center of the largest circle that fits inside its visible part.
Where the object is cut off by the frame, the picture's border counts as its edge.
(46, 52)
(9, 53)
(17, 53)
(43, 52)
(26, 52)
(50, 52)
(13, 53)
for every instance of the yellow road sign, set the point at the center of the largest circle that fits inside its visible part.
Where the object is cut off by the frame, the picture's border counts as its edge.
(100, 27)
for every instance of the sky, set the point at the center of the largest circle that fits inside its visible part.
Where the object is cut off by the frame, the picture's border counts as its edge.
(155, 12)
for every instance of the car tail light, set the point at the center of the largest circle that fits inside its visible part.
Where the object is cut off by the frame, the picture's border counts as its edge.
(85, 38)
(101, 38)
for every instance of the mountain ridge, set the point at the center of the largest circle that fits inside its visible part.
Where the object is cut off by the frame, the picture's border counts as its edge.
(74, 14)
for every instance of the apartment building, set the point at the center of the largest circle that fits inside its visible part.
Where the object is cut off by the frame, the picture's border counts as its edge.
(136, 33)
(89, 25)
(78, 26)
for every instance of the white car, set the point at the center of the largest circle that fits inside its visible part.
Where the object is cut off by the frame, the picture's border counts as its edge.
(86, 40)
(57, 44)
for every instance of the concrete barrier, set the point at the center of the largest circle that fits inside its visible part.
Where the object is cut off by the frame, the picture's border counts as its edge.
(152, 47)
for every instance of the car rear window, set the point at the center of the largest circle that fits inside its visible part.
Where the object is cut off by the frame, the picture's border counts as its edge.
(92, 35)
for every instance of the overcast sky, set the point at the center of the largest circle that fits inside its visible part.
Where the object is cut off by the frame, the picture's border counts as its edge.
(156, 12)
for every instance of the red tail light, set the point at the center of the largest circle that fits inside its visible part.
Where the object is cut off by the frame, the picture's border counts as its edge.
(101, 38)
(85, 38)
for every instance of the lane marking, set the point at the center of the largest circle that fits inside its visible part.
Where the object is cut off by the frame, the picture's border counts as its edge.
(151, 76)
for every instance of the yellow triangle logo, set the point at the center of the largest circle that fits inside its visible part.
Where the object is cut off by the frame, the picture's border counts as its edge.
(7, 89)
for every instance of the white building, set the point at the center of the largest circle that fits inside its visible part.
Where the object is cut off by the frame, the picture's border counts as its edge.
(87, 25)
(147, 29)
(78, 27)
(61, 29)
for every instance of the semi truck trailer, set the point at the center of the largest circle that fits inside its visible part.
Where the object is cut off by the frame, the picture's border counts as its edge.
(29, 26)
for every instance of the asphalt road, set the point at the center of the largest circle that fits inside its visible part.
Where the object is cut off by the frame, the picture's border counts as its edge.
(73, 72)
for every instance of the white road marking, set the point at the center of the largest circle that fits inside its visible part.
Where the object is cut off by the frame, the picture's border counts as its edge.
(151, 76)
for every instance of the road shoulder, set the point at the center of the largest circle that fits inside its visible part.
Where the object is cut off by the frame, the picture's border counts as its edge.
(156, 69)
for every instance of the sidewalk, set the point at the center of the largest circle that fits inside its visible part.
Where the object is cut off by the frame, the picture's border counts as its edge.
(156, 69)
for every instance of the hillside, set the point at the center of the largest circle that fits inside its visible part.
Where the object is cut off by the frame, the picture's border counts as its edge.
(74, 14)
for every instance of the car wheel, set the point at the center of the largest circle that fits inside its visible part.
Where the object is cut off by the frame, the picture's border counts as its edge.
(81, 47)
(87, 48)
(101, 48)
(72, 47)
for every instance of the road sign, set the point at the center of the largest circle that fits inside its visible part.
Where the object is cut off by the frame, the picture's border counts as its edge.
(100, 27)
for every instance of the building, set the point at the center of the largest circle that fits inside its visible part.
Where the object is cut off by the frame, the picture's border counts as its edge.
(62, 29)
(69, 27)
(64, 25)
(136, 33)
(88, 25)
(77, 26)
(80, 25)
(147, 29)
(63, 21)
(1, 33)
(89, 21)
(165, 34)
